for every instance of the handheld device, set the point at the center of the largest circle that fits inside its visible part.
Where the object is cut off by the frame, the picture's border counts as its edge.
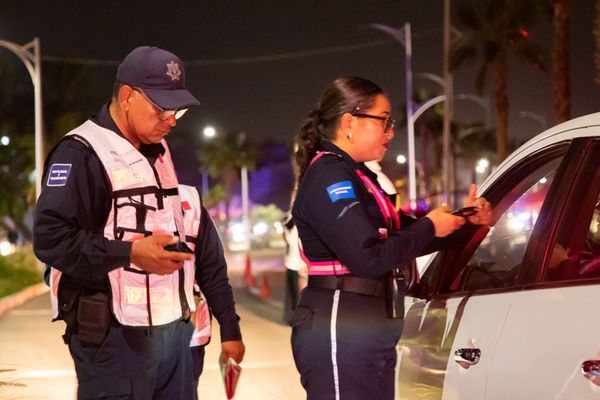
(179, 247)
(465, 211)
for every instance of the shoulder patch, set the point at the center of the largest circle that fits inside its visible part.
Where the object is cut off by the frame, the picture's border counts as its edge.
(341, 190)
(58, 174)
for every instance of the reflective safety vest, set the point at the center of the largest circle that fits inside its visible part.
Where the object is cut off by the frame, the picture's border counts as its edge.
(192, 209)
(145, 201)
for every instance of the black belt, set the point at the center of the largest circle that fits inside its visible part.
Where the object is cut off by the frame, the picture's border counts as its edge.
(351, 284)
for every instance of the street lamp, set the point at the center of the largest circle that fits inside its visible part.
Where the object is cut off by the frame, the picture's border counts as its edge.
(208, 132)
(401, 159)
(244, 184)
(403, 36)
(539, 118)
(30, 55)
(481, 168)
(483, 102)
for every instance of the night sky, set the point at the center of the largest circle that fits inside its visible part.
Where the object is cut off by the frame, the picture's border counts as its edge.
(221, 42)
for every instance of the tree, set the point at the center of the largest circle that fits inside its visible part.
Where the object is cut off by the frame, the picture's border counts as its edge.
(597, 41)
(560, 60)
(224, 157)
(16, 166)
(490, 31)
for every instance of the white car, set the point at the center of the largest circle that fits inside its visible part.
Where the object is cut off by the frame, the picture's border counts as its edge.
(514, 312)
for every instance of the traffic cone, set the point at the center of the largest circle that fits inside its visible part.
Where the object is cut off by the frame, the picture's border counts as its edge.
(265, 290)
(250, 281)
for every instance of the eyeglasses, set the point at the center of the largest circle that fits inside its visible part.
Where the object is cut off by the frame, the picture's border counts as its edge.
(389, 122)
(163, 114)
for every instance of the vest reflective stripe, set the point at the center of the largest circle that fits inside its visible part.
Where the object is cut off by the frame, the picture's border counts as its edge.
(202, 324)
(336, 267)
(328, 268)
(141, 207)
(385, 205)
(333, 267)
(192, 208)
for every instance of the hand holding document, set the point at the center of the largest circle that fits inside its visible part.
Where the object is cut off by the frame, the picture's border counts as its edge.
(230, 372)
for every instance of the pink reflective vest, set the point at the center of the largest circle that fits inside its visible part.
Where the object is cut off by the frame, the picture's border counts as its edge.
(146, 200)
(191, 206)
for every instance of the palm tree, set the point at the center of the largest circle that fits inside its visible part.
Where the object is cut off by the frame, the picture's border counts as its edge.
(597, 41)
(490, 31)
(223, 158)
(561, 13)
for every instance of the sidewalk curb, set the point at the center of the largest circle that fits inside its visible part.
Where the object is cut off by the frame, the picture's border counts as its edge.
(9, 302)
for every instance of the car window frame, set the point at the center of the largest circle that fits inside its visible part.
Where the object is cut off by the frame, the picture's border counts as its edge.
(438, 278)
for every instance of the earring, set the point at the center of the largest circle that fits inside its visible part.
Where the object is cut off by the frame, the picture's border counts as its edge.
(349, 135)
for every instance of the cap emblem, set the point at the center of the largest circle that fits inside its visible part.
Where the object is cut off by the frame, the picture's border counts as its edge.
(173, 71)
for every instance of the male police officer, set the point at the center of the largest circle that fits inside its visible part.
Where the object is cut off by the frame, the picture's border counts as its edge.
(110, 206)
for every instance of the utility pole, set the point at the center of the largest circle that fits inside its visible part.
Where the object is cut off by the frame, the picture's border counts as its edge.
(448, 111)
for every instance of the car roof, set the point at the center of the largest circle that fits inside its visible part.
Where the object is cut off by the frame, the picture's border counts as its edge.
(575, 128)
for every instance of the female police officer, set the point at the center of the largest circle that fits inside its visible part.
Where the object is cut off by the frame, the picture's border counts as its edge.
(352, 238)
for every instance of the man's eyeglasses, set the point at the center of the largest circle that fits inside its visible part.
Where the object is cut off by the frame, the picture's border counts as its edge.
(389, 122)
(163, 114)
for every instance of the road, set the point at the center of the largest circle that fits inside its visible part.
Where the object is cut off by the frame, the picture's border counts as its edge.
(35, 364)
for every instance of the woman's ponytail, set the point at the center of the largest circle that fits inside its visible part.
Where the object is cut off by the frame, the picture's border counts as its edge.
(306, 143)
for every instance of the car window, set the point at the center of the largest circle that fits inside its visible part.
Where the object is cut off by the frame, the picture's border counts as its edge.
(575, 253)
(496, 261)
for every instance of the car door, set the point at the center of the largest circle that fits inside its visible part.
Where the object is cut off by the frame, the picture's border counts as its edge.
(449, 340)
(550, 344)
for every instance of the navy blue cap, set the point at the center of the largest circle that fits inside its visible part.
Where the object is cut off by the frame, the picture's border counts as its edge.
(161, 75)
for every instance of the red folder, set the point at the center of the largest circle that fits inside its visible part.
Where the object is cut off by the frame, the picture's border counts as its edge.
(230, 372)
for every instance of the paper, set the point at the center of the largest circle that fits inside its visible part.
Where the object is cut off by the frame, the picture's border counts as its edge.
(230, 372)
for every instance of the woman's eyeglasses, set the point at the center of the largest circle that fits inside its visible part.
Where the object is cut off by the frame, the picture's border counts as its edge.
(388, 122)
(163, 114)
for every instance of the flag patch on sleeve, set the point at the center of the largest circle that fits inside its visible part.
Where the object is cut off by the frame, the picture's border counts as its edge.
(58, 174)
(341, 190)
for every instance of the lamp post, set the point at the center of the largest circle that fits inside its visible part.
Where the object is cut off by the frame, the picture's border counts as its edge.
(539, 118)
(401, 159)
(482, 101)
(30, 55)
(403, 36)
(244, 184)
(208, 132)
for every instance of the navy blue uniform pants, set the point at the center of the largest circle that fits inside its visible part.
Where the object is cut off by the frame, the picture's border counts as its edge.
(344, 346)
(198, 362)
(132, 365)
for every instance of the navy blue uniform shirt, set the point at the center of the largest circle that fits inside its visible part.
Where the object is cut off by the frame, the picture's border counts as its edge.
(338, 219)
(70, 219)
